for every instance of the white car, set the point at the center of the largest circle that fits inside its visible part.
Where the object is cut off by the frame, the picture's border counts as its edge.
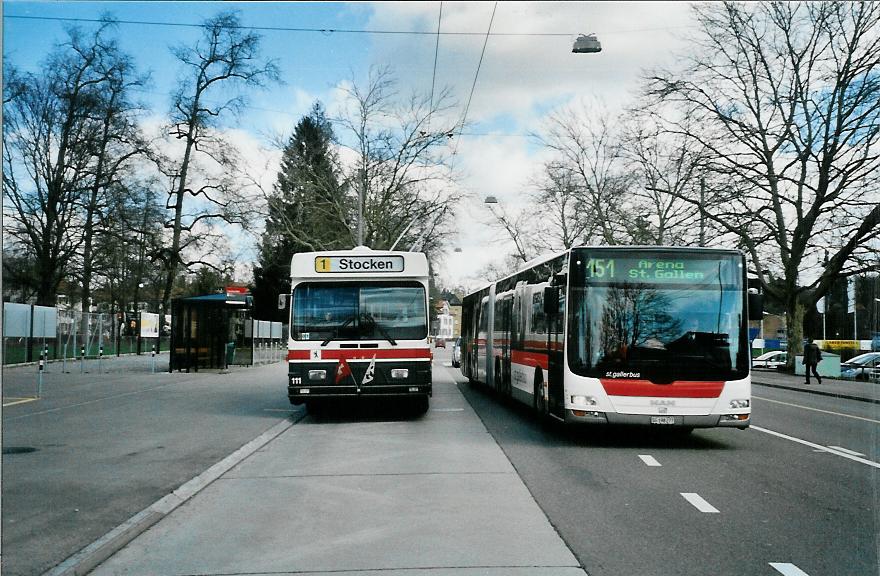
(862, 367)
(456, 353)
(773, 359)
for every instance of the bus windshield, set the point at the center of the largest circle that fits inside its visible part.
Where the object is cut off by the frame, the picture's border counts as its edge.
(363, 311)
(660, 317)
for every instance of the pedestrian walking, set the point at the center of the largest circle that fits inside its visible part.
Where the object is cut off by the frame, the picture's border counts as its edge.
(812, 357)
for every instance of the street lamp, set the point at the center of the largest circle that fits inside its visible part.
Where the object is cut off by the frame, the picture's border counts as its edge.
(586, 44)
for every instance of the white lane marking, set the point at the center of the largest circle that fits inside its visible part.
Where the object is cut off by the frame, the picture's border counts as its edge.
(649, 460)
(846, 451)
(818, 410)
(699, 503)
(447, 409)
(818, 447)
(787, 569)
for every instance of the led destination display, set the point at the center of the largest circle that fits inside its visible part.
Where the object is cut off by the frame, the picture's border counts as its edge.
(659, 270)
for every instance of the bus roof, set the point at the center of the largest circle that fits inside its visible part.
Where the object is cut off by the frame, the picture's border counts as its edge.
(617, 248)
(358, 263)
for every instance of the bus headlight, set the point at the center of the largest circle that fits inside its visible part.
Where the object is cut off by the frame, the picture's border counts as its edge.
(584, 400)
(739, 403)
(317, 375)
(400, 373)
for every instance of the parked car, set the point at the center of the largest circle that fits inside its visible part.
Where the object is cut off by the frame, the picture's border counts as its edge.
(773, 359)
(862, 367)
(456, 353)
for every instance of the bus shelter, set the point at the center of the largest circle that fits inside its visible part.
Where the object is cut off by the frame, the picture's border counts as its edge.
(206, 330)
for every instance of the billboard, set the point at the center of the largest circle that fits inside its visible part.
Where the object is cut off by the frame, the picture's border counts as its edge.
(149, 325)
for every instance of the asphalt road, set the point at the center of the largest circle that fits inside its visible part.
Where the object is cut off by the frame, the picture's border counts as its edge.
(96, 449)
(796, 494)
(618, 497)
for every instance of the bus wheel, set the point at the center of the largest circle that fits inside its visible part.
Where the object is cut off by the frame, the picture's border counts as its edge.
(420, 404)
(539, 402)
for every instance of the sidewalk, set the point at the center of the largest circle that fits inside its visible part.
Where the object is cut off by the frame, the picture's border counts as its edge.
(357, 494)
(838, 388)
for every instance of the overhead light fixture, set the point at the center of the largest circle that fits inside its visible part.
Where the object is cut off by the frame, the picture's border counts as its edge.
(586, 44)
(491, 200)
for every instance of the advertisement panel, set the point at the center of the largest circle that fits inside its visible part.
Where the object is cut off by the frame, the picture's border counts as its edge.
(149, 325)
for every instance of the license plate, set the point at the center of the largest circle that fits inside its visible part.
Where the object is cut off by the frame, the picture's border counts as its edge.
(663, 420)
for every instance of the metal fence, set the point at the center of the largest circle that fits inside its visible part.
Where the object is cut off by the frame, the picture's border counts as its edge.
(30, 332)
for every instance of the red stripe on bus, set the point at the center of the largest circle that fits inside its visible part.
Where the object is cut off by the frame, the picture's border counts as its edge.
(532, 359)
(676, 389)
(362, 354)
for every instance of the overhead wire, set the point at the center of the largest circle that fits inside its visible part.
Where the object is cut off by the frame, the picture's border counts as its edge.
(339, 30)
(473, 86)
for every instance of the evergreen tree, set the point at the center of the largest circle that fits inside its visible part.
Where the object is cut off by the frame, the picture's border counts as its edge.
(308, 210)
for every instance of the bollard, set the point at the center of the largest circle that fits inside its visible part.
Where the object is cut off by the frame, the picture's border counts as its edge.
(153, 359)
(40, 379)
(82, 359)
(46, 356)
(100, 359)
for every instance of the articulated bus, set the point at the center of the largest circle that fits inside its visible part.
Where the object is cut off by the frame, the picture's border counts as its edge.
(654, 336)
(358, 326)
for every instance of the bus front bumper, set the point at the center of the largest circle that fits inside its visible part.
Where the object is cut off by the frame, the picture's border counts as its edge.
(741, 421)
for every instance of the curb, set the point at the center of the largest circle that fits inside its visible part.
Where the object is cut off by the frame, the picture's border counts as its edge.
(819, 392)
(103, 548)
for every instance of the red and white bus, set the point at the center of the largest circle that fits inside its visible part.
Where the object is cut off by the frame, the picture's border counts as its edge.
(359, 326)
(618, 335)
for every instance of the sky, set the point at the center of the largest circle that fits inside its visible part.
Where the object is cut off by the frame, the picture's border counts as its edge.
(526, 72)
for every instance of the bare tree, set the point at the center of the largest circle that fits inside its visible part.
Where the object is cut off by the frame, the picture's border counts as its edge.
(785, 99)
(588, 153)
(225, 60)
(48, 152)
(402, 170)
(665, 168)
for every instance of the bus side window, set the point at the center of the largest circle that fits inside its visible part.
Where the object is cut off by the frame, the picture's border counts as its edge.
(538, 318)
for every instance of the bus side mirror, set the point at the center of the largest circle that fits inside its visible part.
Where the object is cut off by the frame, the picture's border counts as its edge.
(756, 306)
(551, 300)
(282, 301)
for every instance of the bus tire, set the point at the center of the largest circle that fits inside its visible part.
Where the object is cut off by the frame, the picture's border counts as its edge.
(420, 404)
(540, 404)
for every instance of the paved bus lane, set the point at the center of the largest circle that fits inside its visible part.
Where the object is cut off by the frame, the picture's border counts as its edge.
(721, 502)
(350, 492)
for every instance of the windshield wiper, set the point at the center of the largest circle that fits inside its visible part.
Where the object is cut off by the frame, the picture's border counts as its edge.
(382, 330)
(337, 329)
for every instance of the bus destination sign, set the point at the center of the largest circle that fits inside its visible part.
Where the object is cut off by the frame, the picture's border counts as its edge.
(358, 264)
(659, 270)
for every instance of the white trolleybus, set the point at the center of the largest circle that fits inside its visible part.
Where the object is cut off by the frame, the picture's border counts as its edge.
(619, 335)
(359, 326)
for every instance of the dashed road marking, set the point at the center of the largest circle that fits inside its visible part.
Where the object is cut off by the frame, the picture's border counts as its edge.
(699, 503)
(649, 460)
(787, 569)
